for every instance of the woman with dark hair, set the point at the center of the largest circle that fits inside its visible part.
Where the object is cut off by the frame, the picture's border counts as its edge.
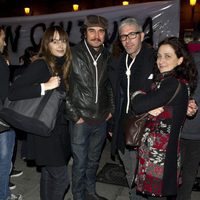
(159, 155)
(49, 71)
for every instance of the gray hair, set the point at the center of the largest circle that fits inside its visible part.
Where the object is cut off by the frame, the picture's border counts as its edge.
(131, 22)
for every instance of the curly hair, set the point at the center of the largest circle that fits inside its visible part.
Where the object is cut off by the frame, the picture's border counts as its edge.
(46, 54)
(187, 69)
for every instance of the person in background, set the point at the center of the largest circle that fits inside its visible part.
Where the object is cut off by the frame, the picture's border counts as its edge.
(194, 46)
(91, 97)
(7, 138)
(29, 56)
(134, 71)
(14, 172)
(190, 144)
(50, 71)
(159, 154)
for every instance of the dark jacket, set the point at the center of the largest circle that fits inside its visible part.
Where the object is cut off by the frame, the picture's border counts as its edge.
(4, 78)
(191, 126)
(83, 88)
(55, 149)
(141, 79)
(159, 147)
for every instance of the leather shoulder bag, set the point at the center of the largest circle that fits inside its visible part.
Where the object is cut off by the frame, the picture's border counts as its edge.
(134, 125)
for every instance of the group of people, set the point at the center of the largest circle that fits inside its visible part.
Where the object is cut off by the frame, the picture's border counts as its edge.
(99, 90)
(140, 86)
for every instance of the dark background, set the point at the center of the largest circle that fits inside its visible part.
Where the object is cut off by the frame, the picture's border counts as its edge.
(189, 16)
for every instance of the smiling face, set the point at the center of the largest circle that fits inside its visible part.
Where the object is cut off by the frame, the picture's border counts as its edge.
(167, 59)
(95, 36)
(132, 46)
(57, 46)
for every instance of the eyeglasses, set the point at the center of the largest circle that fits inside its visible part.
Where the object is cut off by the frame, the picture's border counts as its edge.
(131, 35)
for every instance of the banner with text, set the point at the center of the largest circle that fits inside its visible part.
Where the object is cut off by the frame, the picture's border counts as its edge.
(159, 19)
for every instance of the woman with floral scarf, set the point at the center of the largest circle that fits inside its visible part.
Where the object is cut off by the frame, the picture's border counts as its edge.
(159, 154)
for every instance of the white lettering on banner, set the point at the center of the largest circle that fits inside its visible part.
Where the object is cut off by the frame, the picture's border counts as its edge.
(160, 19)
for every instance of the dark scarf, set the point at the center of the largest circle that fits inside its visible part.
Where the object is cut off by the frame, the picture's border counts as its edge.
(161, 76)
(93, 51)
(59, 61)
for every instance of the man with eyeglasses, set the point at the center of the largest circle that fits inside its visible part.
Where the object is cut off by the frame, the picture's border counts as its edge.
(133, 72)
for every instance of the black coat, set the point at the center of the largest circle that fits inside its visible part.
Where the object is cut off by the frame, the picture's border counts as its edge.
(192, 126)
(4, 78)
(55, 149)
(159, 147)
(83, 88)
(141, 79)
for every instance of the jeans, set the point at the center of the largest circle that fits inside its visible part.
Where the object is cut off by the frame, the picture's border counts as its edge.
(53, 183)
(7, 141)
(87, 141)
(190, 154)
(129, 159)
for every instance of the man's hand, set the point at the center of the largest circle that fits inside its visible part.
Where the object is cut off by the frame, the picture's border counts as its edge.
(109, 116)
(80, 121)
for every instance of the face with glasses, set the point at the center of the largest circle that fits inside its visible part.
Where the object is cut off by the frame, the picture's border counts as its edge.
(131, 38)
(57, 46)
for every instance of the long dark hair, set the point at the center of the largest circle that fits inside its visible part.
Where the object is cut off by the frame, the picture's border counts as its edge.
(187, 69)
(46, 54)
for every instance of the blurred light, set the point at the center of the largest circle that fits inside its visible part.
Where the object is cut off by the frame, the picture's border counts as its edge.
(75, 7)
(27, 10)
(125, 3)
(193, 2)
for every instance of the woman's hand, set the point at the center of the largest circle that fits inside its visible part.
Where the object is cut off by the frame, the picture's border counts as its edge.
(156, 111)
(52, 83)
(80, 121)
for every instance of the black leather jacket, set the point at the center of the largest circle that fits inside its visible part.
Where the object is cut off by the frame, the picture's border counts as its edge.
(87, 102)
(4, 78)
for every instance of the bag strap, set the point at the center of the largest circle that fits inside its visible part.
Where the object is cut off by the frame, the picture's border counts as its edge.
(175, 93)
(43, 102)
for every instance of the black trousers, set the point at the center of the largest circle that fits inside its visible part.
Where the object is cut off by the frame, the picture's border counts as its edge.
(190, 153)
(54, 183)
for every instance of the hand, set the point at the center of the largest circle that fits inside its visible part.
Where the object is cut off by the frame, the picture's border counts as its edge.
(156, 111)
(80, 121)
(110, 134)
(192, 108)
(7, 61)
(52, 83)
(109, 116)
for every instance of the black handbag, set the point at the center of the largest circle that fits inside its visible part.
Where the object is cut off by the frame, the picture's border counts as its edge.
(134, 125)
(35, 115)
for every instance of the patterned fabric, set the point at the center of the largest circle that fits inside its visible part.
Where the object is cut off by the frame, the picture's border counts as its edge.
(152, 152)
